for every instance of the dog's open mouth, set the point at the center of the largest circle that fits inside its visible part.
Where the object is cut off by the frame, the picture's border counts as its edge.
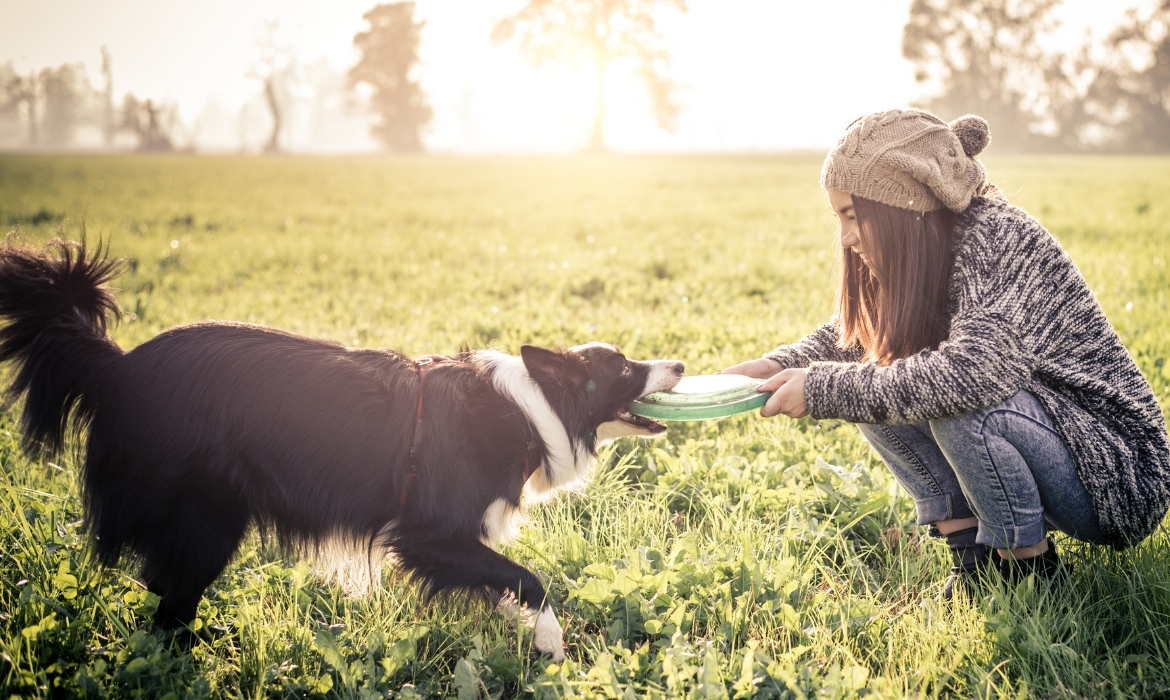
(641, 422)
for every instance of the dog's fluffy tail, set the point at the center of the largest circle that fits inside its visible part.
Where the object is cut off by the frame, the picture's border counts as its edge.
(55, 306)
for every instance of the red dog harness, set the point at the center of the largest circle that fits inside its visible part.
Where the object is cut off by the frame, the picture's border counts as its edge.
(422, 364)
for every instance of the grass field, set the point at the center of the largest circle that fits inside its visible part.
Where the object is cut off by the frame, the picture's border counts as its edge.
(747, 556)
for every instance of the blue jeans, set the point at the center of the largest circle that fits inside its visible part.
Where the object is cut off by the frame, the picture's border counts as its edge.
(1004, 464)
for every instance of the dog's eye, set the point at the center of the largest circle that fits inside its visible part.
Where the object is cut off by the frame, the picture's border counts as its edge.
(625, 370)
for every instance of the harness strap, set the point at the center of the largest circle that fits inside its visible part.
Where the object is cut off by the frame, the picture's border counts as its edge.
(422, 364)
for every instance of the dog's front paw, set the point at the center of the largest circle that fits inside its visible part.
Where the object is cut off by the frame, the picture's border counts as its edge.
(548, 635)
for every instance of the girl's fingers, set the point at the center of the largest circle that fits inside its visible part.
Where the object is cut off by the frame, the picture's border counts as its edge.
(757, 369)
(775, 381)
(788, 394)
(773, 407)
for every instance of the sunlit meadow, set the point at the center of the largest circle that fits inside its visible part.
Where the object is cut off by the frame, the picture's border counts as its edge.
(742, 558)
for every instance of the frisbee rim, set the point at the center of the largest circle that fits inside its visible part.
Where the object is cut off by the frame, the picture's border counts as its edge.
(669, 407)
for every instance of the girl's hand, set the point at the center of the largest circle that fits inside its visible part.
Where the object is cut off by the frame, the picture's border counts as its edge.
(789, 397)
(756, 369)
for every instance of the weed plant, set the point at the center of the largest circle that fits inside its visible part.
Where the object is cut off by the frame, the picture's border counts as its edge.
(740, 558)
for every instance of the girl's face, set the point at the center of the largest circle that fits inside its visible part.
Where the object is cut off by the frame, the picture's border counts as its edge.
(842, 205)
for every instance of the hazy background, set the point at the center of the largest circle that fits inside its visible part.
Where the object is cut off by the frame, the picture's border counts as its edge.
(754, 75)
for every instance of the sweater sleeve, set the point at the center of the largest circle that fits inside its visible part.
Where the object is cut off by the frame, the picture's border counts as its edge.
(982, 362)
(818, 346)
(989, 353)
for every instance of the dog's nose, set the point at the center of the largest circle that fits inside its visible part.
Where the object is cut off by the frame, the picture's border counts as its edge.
(678, 368)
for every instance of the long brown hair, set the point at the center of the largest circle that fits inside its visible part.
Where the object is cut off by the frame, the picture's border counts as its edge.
(897, 305)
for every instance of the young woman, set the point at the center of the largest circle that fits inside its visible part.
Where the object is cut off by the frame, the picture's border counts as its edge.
(973, 357)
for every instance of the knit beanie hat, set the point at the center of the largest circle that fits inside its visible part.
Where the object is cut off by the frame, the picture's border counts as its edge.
(910, 159)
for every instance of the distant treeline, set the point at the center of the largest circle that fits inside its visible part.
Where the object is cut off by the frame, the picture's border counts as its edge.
(987, 57)
(51, 105)
(971, 56)
(48, 108)
(59, 108)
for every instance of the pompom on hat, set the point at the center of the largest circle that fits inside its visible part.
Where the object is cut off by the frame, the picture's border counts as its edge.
(910, 159)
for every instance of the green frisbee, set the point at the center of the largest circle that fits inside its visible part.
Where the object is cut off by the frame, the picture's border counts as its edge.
(702, 397)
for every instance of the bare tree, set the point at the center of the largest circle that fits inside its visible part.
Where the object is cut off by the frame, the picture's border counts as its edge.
(109, 120)
(983, 56)
(152, 123)
(10, 125)
(273, 143)
(607, 31)
(276, 68)
(389, 52)
(25, 91)
(67, 94)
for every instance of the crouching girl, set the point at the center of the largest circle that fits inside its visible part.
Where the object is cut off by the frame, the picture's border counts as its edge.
(973, 356)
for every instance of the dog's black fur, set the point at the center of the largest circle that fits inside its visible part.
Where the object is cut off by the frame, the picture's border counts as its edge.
(207, 429)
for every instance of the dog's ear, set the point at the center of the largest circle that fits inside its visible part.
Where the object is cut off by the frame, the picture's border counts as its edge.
(552, 368)
(545, 366)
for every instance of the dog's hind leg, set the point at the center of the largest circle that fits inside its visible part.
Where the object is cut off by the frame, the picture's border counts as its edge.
(185, 554)
(470, 565)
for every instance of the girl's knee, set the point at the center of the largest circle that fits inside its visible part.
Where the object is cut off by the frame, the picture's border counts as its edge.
(960, 431)
(1019, 412)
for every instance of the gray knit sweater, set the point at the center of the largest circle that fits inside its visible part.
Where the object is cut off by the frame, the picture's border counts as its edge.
(1022, 317)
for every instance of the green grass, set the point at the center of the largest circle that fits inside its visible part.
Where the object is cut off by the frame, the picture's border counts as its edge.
(773, 557)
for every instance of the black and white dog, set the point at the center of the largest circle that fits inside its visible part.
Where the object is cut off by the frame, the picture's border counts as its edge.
(350, 454)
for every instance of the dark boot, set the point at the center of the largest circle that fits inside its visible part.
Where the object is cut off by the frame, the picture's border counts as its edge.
(1045, 566)
(970, 560)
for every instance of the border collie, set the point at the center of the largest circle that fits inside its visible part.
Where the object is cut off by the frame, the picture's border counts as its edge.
(347, 454)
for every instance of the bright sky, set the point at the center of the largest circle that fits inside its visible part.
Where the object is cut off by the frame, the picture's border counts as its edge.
(757, 74)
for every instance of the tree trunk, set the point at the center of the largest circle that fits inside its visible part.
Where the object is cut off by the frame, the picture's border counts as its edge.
(273, 145)
(33, 121)
(30, 95)
(109, 128)
(597, 135)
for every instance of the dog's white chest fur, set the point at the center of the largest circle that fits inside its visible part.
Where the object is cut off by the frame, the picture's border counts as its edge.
(499, 522)
(566, 464)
